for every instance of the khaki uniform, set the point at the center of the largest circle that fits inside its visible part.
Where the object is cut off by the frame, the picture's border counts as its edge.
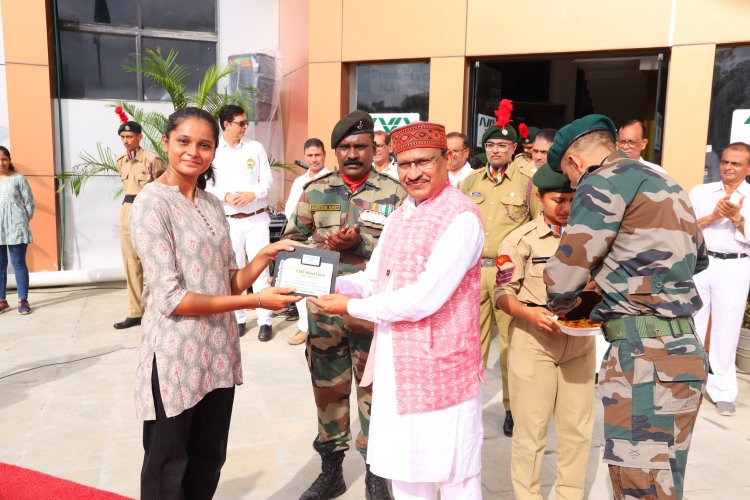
(549, 374)
(504, 207)
(135, 175)
(526, 164)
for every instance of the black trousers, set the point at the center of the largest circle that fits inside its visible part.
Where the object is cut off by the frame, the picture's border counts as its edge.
(184, 454)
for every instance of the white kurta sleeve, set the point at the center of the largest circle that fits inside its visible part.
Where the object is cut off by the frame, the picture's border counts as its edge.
(456, 251)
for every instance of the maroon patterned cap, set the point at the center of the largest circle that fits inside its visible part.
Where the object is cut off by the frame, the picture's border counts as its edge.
(418, 135)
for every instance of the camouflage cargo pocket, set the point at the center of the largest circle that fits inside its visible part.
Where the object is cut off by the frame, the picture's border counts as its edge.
(637, 454)
(679, 383)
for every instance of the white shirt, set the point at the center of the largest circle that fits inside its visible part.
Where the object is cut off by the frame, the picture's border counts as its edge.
(721, 235)
(455, 179)
(295, 192)
(241, 169)
(391, 170)
(404, 447)
(652, 166)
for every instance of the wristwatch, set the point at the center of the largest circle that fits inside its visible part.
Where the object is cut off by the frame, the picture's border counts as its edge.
(738, 222)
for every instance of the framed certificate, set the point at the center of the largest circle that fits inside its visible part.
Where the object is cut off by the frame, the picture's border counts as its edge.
(310, 271)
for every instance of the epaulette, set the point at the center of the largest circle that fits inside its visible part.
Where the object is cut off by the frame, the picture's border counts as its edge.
(319, 178)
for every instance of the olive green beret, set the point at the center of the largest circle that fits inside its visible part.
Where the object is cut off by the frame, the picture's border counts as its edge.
(495, 132)
(532, 135)
(356, 122)
(546, 179)
(574, 131)
(129, 126)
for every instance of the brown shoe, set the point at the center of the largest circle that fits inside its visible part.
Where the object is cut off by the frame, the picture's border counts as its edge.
(298, 338)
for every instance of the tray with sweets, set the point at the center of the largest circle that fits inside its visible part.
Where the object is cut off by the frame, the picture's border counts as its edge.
(579, 327)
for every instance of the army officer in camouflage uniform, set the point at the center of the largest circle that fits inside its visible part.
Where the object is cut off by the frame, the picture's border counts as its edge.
(343, 211)
(634, 231)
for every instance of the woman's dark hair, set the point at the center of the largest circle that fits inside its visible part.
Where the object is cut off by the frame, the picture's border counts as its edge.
(7, 153)
(191, 112)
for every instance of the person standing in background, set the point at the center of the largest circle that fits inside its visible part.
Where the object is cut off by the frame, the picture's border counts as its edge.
(16, 210)
(315, 159)
(137, 168)
(242, 182)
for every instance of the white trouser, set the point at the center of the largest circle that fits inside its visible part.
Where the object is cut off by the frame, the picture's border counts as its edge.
(723, 289)
(302, 311)
(249, 236)
(464, 489)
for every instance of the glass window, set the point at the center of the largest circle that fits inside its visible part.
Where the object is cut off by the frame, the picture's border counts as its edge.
(179, 15)
(98, 36)
(729, 118)
(393, 88)
(197, 56)
(92, 66)
(123, 12)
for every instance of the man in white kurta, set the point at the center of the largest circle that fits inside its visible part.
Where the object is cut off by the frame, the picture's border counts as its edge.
(722, 209)
(459, 167)
(418, 450)
(315, 159)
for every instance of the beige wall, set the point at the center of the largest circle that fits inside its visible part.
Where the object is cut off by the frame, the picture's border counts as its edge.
(30, 119)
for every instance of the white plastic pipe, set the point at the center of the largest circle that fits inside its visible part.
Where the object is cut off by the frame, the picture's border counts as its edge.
(72, 277)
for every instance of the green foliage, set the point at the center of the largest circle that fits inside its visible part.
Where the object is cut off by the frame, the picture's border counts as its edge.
(168, 74)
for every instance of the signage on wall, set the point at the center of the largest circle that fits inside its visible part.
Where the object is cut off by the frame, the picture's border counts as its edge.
(740, 131)
(483, 123)
(389, 121)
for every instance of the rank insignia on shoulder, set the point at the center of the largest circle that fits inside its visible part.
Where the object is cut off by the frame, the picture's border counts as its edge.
(505, 269)
(324, 208)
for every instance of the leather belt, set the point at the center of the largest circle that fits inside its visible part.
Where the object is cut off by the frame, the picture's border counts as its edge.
(129, 198)
(647, 327)
(242, 215)
(488, 262)
(725, 256)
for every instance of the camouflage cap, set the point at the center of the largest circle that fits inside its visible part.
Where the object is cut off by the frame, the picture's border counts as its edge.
(356, 122)
(495, 132)
(546, 179)
(129, 126)
(574, 131)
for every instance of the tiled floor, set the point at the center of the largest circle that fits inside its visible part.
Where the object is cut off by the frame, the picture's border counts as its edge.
(66, 408)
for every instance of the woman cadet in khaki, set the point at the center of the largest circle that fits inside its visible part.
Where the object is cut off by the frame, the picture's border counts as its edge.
(550, 373)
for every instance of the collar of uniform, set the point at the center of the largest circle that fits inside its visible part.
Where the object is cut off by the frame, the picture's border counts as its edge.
(509, 171)
(224, 144)
(542, 228)
(372, 176)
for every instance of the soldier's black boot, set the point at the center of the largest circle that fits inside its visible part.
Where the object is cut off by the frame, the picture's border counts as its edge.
(330, 482)
(376, 487)
(508, 424)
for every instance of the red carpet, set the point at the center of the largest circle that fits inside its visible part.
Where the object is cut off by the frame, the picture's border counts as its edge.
(17, 483)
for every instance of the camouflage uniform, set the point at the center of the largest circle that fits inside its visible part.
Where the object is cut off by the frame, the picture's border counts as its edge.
(338, 345)
(635, 232)
(504, 207)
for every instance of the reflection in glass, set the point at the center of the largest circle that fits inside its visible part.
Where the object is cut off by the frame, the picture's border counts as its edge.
(394, 88)
(121, 12)
(197, 56)
(92, 66)
(196, 15)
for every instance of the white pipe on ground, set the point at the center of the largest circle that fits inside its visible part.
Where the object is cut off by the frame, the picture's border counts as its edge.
(72, 277)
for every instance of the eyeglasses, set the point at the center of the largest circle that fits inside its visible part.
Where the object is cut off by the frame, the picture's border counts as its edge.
(423, 164)
(242, 123)
(458, 151)
(381, 146)
(498, 146)
(628, 144)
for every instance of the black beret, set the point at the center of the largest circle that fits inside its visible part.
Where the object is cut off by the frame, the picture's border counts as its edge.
(495, 132)
(574, 131)
(546, 179)
(532, 135)
(129, 126)
(356, 122)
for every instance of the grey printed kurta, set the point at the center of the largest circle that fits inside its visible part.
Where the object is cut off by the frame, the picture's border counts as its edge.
(184, 246)
(16, 209)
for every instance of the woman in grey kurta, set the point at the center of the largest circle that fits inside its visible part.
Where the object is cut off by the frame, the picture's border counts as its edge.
(16, 210)
(189, 355)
